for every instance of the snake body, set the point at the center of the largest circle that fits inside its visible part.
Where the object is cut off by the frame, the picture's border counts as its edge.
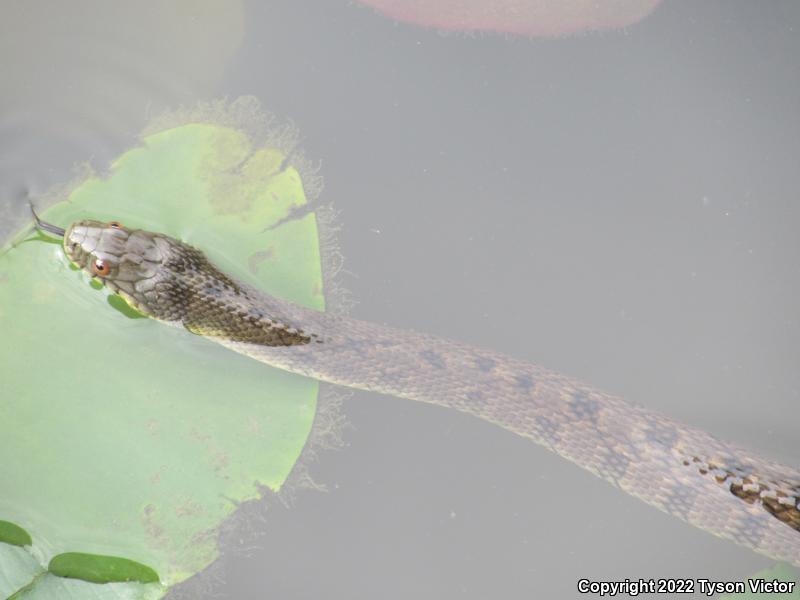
(681, 470)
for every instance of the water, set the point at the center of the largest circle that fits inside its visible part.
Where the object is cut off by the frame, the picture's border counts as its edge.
(619, 207)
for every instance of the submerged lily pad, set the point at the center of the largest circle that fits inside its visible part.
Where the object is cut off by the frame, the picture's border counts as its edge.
(127, 438)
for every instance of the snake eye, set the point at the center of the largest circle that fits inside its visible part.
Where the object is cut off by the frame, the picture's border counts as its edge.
(115, 224)
(100, 268)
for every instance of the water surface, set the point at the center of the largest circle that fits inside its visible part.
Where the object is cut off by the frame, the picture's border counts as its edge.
(619, 207)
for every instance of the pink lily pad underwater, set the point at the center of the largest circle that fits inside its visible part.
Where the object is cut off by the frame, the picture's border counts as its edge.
(543, 18)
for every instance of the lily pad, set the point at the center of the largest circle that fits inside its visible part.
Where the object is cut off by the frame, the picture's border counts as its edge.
(14, 534)
(22, 576)
(127, 438)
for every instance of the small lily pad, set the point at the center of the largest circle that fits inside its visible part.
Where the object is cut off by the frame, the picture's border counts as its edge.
(100, 569)
(22, 575)
(14, 534)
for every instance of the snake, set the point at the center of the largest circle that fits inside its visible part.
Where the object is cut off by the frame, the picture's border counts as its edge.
(684, 471)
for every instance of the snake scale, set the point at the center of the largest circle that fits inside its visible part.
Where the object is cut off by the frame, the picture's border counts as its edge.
(684, 471)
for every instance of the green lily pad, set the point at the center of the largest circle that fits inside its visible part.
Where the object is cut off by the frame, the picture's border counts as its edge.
(50, 587)
(13, 534)
(128, 438)
(22, 576)
(18, 568)
(100, 569)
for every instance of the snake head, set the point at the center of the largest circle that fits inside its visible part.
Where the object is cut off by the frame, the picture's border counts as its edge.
(169, 280)
(126, 261)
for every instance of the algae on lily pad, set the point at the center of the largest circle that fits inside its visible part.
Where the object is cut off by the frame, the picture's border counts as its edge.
(126, 438)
